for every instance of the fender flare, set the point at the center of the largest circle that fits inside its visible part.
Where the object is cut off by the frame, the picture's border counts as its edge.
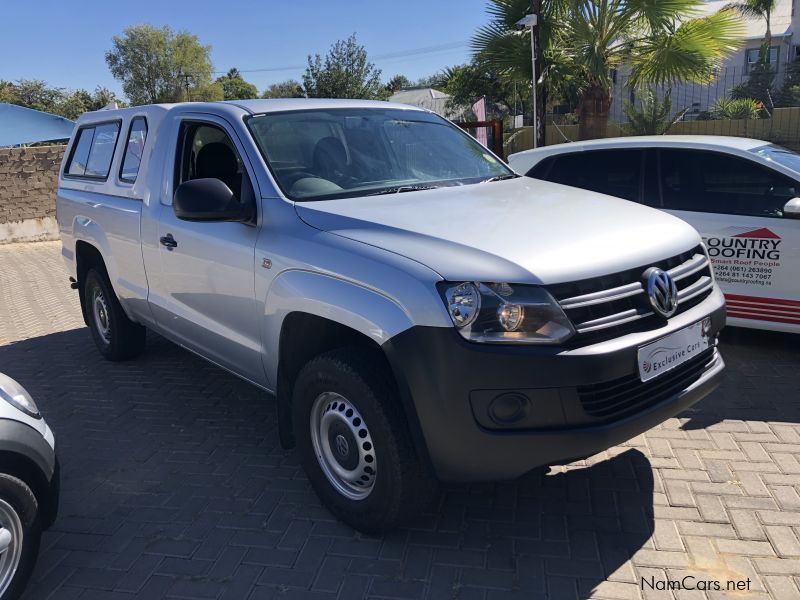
(85, 229)
(365, 310)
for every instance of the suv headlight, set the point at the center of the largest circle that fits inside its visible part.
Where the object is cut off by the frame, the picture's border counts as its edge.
(502, 313)
(16, 396)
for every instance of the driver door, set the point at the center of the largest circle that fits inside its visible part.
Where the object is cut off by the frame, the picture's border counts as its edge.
(207, 296)
(737, 206)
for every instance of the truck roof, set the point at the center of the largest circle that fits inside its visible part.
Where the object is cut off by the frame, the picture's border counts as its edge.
(156, 112)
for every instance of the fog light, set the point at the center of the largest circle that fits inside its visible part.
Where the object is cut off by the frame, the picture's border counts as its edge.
(507, 409)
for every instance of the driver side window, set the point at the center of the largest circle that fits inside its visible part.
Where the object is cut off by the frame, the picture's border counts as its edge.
(206, 151)
(713, 182)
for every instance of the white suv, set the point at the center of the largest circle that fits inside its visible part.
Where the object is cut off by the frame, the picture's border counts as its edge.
(420, 311)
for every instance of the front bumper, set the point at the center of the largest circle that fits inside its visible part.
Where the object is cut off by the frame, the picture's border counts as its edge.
(445, 382)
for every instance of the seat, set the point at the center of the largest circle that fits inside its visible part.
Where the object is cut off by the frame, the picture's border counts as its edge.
(218, 161)
(330, 161)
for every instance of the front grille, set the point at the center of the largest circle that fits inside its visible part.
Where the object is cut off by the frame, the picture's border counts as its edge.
(607, 307)
(628, 395)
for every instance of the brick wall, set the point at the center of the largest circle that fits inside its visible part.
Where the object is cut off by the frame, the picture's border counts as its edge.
(28, 182)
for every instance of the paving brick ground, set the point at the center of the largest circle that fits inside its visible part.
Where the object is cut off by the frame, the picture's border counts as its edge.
(174, 485)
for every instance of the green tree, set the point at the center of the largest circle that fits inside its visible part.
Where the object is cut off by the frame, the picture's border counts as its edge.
(759, 85)
(234, 87)
(435, 81)
(285, 89)
(788, 95)
(469, 82)
(758, 9)
(653, 117)
(207, 92)
(345, 73)
(585, 41)
(159, 65)
(74, 104)
(36, 94)
(397, 83)
(8, 92)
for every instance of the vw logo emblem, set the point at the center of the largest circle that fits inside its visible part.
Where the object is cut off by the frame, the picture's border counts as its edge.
(661, 291)
(342, 447)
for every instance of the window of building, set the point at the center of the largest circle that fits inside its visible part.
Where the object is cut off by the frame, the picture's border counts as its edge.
(752, 55)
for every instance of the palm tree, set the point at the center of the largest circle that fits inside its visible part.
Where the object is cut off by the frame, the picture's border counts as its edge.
(758, 9)
(661, 42)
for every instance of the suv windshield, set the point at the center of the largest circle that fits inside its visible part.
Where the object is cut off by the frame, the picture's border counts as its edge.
(779, 154)
(325, 154)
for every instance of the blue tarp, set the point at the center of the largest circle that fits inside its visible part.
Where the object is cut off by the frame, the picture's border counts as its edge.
(19, 125)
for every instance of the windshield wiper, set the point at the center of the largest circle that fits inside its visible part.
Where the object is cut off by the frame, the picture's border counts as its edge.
(404, 188)
(501, 178)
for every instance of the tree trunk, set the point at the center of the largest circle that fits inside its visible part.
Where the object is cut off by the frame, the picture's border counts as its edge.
(768, 32)
(536, 9)
(593, 110)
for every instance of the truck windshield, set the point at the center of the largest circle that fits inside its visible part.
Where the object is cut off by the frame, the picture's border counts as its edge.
(779, 154)
(341, 153)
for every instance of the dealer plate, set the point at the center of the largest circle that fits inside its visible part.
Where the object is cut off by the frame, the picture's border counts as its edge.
(673, 350)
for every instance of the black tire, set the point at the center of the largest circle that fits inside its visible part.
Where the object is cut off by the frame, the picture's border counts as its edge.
(17, 495)
(122, 339)
(402, 486)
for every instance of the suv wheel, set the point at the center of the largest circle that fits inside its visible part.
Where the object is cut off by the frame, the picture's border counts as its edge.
(354, 443)
(20, 533)
(116, 336)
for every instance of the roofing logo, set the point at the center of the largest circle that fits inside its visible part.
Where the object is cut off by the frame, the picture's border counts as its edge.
(745, 242)
(762, 233)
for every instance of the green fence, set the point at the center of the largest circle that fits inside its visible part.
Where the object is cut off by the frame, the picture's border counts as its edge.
(783, 128)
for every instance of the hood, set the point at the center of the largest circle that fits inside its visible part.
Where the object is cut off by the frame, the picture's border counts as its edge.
(518, 231)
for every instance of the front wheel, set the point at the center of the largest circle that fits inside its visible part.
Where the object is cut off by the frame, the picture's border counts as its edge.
(20, 533)
(354, 442)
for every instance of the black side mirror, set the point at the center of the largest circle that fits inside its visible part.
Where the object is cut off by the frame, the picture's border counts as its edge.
(209, 200)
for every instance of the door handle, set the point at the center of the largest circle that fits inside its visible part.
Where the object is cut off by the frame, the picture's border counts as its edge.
(168, 241)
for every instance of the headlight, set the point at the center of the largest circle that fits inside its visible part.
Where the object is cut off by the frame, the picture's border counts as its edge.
(501, 313)
(16, 396)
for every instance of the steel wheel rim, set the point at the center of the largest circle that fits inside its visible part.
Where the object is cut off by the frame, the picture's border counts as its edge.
(11, 538)
(101, 318)
(343, 446)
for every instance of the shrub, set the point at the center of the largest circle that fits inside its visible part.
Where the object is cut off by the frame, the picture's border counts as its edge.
(738, 108)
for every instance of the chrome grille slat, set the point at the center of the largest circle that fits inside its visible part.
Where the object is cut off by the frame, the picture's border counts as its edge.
(611, 321)
(698, 287)
(618, 293)
(697, 263)
(628, 303)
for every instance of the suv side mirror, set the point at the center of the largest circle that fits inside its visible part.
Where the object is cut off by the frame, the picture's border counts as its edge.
(208, 200)
(792, 209)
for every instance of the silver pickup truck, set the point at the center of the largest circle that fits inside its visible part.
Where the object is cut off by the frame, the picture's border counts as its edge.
(419, 311)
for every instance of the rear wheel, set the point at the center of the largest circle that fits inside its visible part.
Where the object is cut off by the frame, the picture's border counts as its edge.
(20, 533)
(116, 336)
(354, 442)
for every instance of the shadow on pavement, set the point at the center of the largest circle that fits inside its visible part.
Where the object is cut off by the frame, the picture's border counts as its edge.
(760, 383)
(174, 484)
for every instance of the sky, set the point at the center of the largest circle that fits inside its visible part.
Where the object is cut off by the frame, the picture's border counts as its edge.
(64, 43)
